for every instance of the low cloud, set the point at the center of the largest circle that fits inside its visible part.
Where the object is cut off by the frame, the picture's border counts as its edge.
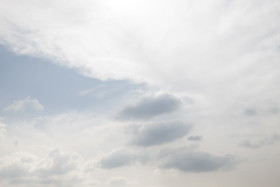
(117, 159)
(260, 143)
(150, 107)
(182, 159)
(25, 104)
(59, 163)
(195, 138)
(250, 112)
(191, 161)
(57, 169)
(159, 133)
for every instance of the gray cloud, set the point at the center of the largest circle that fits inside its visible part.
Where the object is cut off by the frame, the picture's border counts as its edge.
(159, 133)
(190, 161)
(150, 107)
(117, 159)
(182, 159)
(195, 138)
(250, 112)
(263, 142)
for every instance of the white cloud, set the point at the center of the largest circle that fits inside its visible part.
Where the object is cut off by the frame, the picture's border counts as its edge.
(57, 168)
(2, 129)
(173, 44)
(212, 51)
(25, 104)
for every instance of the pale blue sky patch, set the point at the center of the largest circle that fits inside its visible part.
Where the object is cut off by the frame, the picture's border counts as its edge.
(56, 88)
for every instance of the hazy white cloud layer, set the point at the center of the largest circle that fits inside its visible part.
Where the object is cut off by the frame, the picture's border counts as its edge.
(191, 96)
(178, 44)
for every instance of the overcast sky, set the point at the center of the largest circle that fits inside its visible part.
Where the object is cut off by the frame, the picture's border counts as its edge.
(138, 93)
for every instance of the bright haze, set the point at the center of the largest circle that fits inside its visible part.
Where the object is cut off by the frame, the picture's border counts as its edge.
(138, 93)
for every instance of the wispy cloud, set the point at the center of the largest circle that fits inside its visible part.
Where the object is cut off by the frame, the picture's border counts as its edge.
(260, 143)
(24, 104)
(195, 138)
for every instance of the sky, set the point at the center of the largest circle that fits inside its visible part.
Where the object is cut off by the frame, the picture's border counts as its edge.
(130, 93)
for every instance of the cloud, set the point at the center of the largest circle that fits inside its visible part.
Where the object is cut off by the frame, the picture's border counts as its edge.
(250, 112)
(59, 163)
(58, 168)
(183, 159)
(24, 104)
(193, 161)
(118, 181)
(17, 165)
(263, 142)
(2, 129)
(107, 34)
(159, 133)
(150, 107)
(195, 138)
(117, 159)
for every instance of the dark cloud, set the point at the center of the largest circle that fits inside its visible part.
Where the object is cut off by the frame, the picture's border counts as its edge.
(190, 161)
(150, 107)
(159, 133)
(263, 142)
(195, 138)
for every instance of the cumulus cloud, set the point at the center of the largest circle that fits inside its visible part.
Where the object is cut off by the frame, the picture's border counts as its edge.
(59, 163)
(55, 169)
(260, 143)
(150, 107)
(195, 138)
(159, 133)
(194, 161)
(25, 104)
